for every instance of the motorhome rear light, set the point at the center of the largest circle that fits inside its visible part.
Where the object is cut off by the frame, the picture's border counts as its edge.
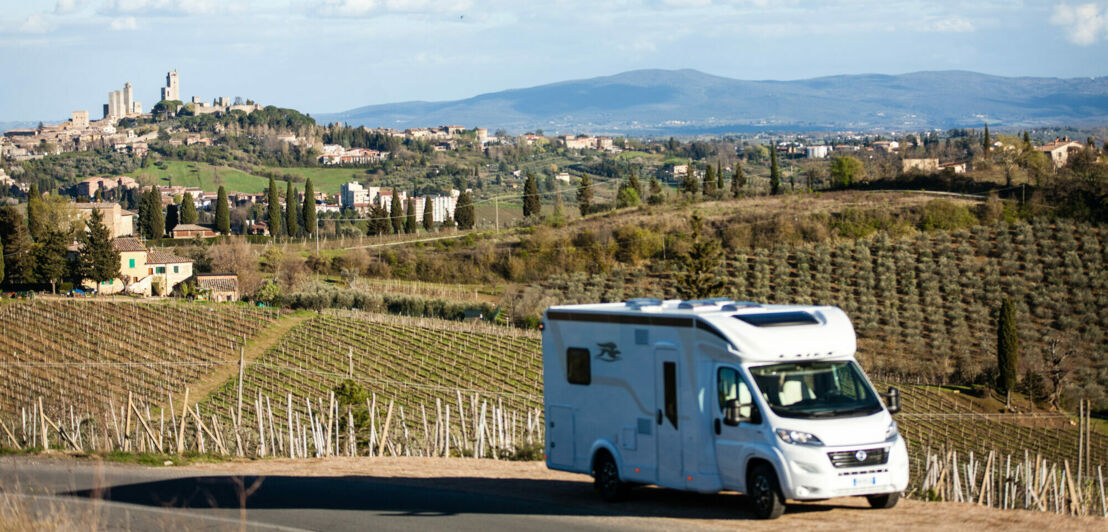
(778, 319)
(636, 470)
(690, 479)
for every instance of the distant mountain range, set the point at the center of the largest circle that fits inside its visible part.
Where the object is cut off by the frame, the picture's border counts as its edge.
(689, 102)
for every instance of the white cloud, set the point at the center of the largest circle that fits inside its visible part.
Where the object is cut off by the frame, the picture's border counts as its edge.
(1084, 24)
(35, 24)
(67, 7)
(123, 24)
(950, 25)
(380, 7)
(172, 7)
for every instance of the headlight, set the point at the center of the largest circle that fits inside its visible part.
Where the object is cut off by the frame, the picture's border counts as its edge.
(797, 437)
(891, 432)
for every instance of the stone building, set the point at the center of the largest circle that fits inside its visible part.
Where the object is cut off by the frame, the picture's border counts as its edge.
(172, 89)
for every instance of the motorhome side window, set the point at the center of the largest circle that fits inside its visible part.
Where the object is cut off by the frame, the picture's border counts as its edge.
(578, 369)
(731, 386)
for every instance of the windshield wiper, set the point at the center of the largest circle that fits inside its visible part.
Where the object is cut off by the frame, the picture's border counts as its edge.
(841, 411)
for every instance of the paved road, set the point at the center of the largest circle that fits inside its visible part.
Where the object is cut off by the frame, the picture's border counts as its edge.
(127, 497)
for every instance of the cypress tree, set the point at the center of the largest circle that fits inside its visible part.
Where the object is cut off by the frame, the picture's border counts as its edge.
(152, 219)
(774, 172)
(738, 181)
(428, 215)
(308, 212)
(709, 181)
(187, 213)
(532, 205)
(689, 185)
(34, 212)
(222, 212)
(99, 260)
(409, 217)
(396, 212)
(144, 214)
(1026, 140)
(464, 214)
(584, 195)
(634, 184)
(292, 218)
(172, 218)
(1007, 347)
(1, 262)
(273, 217)
(657, 197)
(985, 143)
(19, 260)
(719, 176)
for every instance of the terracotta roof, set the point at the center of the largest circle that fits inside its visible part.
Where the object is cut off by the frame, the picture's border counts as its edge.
(191, 227)
(128, 244)
(93, 205)
(164, 257)
(1051, 146)
(219, 283)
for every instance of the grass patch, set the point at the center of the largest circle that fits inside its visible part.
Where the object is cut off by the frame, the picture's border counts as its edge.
(203, 175)
(9, 451)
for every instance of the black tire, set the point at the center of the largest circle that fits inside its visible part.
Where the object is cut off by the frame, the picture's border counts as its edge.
(606, 479)
(883, 501)
(765, 492)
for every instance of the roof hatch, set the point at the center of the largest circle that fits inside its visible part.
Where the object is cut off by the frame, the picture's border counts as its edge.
(778, 319)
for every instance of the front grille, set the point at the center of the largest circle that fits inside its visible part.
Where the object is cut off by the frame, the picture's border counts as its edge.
(876, 456)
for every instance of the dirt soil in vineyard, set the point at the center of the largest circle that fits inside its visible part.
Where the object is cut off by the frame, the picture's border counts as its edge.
(255, 346)
(652, 508)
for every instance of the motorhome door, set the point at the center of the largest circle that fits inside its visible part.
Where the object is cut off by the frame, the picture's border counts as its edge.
(666, 378)
(733, 441)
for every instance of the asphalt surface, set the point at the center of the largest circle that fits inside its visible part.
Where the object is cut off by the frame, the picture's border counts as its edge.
(113, 496)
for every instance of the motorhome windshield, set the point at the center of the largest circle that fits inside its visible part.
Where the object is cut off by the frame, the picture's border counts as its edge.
(816, 389)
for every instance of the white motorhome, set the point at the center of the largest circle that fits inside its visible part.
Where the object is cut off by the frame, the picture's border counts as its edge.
(712, 395)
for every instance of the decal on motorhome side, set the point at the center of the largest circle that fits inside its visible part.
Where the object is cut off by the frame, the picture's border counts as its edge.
(608, 352)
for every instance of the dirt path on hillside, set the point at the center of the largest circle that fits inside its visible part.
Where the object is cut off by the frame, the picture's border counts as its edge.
(254, 348)
(650, 507)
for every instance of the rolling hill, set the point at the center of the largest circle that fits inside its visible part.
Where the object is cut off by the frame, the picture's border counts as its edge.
(663, 102)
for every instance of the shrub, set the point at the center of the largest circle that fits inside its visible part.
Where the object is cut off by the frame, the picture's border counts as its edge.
(945, 215)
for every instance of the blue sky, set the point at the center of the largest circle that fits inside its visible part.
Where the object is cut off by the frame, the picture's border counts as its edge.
(332, 55)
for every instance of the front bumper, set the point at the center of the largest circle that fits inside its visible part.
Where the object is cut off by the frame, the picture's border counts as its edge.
(809, 473)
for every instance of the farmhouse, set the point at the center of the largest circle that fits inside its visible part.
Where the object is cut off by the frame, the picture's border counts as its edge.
(192, 230)
(166, 270)
(132, 262)
(1059, 151)
(218, 287)
(920, 165)
(120, 222)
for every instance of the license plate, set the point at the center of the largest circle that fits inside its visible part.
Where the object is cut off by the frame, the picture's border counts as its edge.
(862, 481)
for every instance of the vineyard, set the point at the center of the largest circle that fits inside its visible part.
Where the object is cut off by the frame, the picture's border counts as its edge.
(86, 353)
(932, 418)
(923, 305)
(412, 360)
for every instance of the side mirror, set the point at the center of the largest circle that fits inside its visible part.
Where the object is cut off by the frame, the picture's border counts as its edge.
(732, 412)
(892, 400)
